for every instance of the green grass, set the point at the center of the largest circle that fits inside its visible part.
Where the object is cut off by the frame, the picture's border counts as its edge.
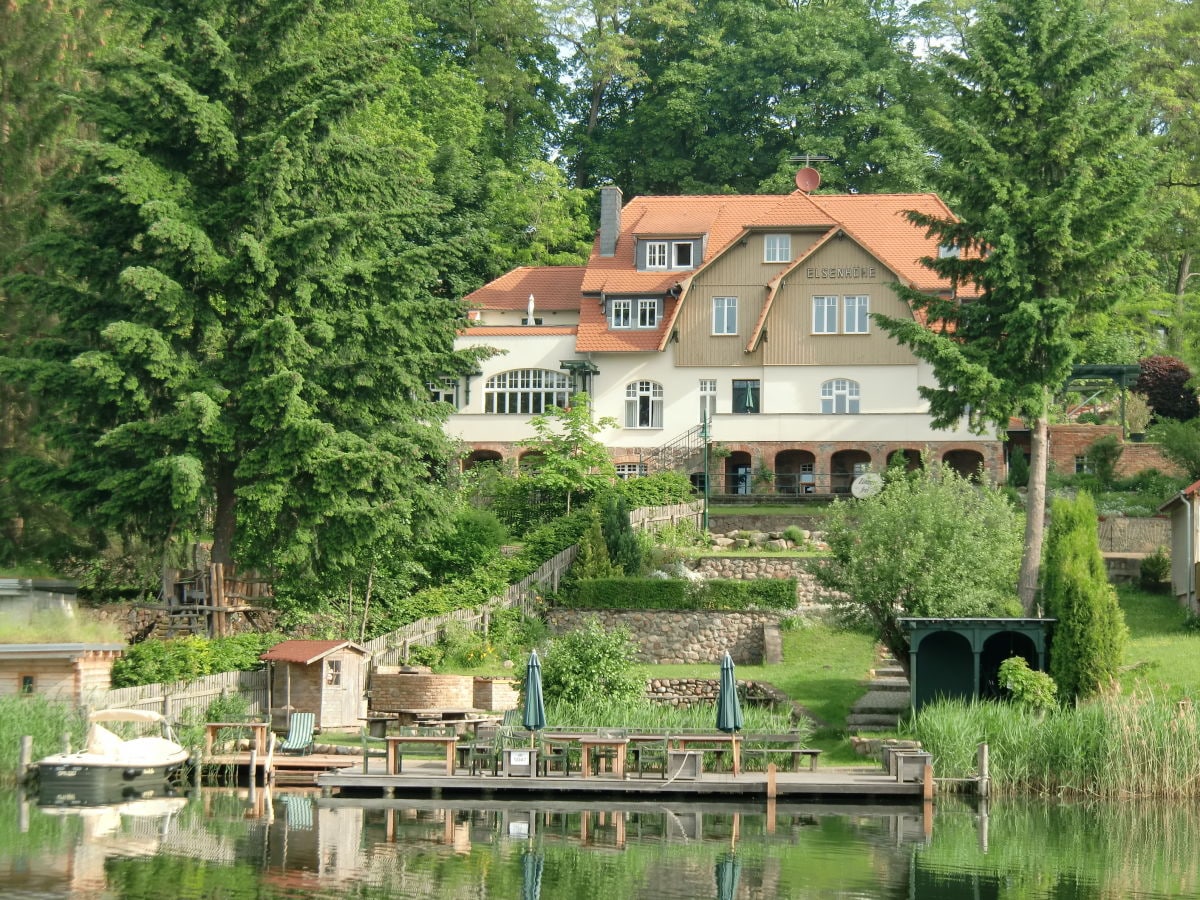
(1160, 654)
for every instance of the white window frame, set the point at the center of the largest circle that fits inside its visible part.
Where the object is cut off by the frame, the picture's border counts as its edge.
(643, 404)
(676, 249)
(443, 390)
(620, 314)
(777, 248)
(625, 471)
(856, 309)
(825, 314)
(657, 254)
(647, 312)
(724, 315)
(841, 397)
(525, 392)
(708, 399)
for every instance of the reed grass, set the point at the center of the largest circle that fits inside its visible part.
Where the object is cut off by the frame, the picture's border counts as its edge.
(58, 628)
(46, 721)
(1118, 746)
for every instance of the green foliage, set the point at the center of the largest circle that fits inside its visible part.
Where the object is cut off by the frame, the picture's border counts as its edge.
(795, 534)
(670, 593)
(1155, 571)
(623, 547)
(572, 458)
(930, 543)
(1090, 633)
(183, 659)
(552, 538)
(474, 539)
(1027, 687)
(1018, 468)
(658, 489)
(232, 245)
(1103, 456)
(589, 664)
(45, 720)
(593, 560)
(1180, 443)
(1137, 413)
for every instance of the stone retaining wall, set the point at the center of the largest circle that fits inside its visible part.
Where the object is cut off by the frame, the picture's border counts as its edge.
(678, 637)
(392, 691)
(750, 567)
(686, 692)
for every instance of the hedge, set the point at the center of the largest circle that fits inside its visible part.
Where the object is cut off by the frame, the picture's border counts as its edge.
(663, 593)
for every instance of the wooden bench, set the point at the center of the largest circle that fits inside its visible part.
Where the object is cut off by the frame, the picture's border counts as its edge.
(780, 745)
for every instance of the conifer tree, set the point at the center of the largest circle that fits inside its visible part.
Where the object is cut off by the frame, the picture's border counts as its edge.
(1090, 633)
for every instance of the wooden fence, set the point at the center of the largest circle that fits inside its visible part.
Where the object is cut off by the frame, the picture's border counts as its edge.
(188, 699)
(192, 698)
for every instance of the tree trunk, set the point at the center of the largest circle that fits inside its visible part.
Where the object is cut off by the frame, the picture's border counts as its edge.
(225, 517)
(1175, 332)
(1035, 515)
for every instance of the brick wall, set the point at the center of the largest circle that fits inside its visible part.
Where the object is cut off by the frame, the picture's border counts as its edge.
(1070, 441)
(406, 690)
(495, 693)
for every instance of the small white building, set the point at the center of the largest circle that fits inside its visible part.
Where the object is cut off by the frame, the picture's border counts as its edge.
(1184, 510)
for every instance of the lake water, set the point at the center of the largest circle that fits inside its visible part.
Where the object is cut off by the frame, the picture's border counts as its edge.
(227, 844)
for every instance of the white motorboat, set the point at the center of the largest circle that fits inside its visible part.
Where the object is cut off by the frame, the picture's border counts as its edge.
(110, 768)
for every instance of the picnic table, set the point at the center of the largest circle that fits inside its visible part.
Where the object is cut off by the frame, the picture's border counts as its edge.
(789, 744)
(258, 732)
(684, 741)
(394, 759)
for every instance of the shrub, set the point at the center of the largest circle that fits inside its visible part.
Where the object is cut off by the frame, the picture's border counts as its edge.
(183, 659)
(1018, 468)
(590, 664)
(795, 534)
(1036, 690)
(593, 560)
(1103, 456)
(1163, 380)
(1089, 636)
(664, 593)
(623, 547)
(659, 489)
(1180, 443)
(1156, 571)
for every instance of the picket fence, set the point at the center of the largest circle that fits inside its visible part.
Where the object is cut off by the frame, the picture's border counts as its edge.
(190, 699)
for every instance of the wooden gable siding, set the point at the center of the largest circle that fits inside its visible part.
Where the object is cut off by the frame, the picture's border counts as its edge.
(740, 273)
(790, 339)
(335, 706)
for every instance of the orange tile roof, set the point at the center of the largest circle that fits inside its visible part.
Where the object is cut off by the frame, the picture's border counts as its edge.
(553, 288)
(305, 652)
(596, 336)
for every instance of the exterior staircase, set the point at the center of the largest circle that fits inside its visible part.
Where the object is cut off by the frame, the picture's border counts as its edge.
(675, 454)
(886, 700)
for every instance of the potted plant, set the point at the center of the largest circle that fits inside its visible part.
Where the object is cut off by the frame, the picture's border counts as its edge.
(1137, 416)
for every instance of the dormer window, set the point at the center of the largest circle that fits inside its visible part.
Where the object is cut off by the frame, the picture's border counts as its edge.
(665, 255)
(777, 248)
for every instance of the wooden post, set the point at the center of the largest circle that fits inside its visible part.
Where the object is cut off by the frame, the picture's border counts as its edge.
(197, 762)
(253, 766)
(66, 742)
(927, 783)
(985, 778)
(25, 758)
(771, 791)
(770, 815)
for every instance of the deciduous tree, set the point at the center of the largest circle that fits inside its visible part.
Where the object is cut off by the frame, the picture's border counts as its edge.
(572, 460)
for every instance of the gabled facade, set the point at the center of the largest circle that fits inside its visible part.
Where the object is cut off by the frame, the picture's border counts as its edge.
(750, 311)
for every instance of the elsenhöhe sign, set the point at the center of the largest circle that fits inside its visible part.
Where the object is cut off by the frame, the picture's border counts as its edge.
(844, 272)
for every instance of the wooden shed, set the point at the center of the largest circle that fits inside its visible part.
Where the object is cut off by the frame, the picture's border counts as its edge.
(1184, 510)
(67, 672)
(327, 678)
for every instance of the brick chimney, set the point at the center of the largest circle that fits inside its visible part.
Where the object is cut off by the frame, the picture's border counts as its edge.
(610, 219)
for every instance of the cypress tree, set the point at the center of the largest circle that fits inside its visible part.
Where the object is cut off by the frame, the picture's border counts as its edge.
(623, 547)
(1089, 636)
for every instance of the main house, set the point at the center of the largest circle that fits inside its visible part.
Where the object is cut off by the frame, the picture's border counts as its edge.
(750, 313)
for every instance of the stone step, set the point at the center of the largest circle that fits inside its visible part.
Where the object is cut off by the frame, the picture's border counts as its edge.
(887, 672)
(899, 685)
(887, 701)
(859, 723)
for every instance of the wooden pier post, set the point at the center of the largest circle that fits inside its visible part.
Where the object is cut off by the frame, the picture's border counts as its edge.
(25, 758)
(927, 783)
(772, 791)
(66, 742)
(985, 778)
(197, 776)
(253, 764)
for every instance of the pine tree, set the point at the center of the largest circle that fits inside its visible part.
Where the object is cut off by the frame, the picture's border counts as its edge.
(1090, 633)
(1047, 168)
(593, 560)
(623, 547)
(243, 314)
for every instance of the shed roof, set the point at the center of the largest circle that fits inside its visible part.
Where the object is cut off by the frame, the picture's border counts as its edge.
(1188, 493)
(307, 652)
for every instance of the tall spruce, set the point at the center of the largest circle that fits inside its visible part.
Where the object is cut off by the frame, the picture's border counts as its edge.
(1090, 633)
(1047, 167)
(238, 296)
(623, 547)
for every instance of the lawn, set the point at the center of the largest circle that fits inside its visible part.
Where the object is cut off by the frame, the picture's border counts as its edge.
(1161, 654)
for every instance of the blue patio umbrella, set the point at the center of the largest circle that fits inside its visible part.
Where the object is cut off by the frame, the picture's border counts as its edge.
(531, 875)
(534, 717)
(728, 873)
(729, 710)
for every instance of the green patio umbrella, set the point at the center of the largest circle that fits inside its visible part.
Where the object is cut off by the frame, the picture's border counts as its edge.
(531, 875)
(534, 718)
(728, 873)
(729, 710)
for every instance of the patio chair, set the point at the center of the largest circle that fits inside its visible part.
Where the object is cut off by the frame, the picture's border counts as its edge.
(555, 754)
(367, 739)
(485, 750)
(651, 755)
(299, 810)
(299, 740)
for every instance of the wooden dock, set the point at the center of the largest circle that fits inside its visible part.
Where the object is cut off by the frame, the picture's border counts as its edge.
(343, 775)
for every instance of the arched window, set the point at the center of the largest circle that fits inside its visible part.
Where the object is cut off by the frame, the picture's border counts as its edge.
(839, 395)
(643, 404)
(525, 392)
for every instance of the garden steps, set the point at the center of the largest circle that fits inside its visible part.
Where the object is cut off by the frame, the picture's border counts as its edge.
(885, 702)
